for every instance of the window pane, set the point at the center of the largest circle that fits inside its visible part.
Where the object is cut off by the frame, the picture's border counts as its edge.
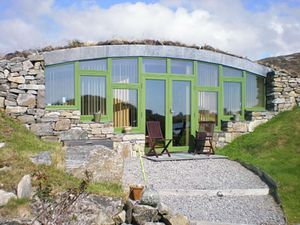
(231, 72)
(99, 64)
(124, 71)
(93, 95)
(60, 85)
(154, 66)
(181, 67)
(232, 98)
(255, 91)
(208, 106)
(208, 74)
(125, 107)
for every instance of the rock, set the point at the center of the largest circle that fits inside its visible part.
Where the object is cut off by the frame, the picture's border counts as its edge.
(41, 99)
(24, 187)
(144, 213)
(4, 87)
(43, 158)
(2, 144)
(42, 129)
(240, 127)
(129, 208)
(253, 124)
(164, 210)
(15, 109)
(19, 79)
(27, 119)
(27, 65)
(1, 102)
(63, 124)
(103, 163)
(31, 87)
(152, 223)
(177, 219)
(10, 103)
(26, 100)
(5, 197)
(278, 101)
(150, 197)
(120, 217)
(74, 134)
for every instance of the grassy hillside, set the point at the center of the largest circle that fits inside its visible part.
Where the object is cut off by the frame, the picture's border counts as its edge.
(275, 148)
(20, 144)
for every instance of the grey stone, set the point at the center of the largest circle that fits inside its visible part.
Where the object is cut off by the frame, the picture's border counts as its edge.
(41, 99)
(10, 103)
(253, 124)
(2, 144)
(24, 187)
(26, 100)
(16, 74)
(15, 109)
(11, 96)
(2, 102)
(144, 213)
(35, 58)
(31, 87)
(5, 197)
(19, 79)
(278, 101)
(29, 77)
(73, 134)
(33, 92)
(4, 87)
(27, 65)
(17, 91)
(43, 158)
(16, 68)
(103, 163)
(150, 197)
(120, 217)
(26, 119)
(62, 125)
(177, 219)
(42, 129)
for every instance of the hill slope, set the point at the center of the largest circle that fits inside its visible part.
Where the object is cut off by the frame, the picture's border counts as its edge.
(274, 147)
(291, 63)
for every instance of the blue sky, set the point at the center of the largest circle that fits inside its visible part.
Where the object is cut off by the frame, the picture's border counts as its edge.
(251, 28)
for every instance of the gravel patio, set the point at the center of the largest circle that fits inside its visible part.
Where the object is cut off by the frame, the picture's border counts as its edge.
(214, 190)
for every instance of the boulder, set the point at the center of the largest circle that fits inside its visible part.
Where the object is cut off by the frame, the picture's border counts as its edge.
(42, 129)
(74, 134)
(5, 197)
(62, 125)
(43, 158)
(177, 219)
(144, 213)
(24, 187)
(18, 79)
(103, 163)
(26, 100)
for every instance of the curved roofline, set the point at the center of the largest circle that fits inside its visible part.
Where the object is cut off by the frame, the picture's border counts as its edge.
(94, 52)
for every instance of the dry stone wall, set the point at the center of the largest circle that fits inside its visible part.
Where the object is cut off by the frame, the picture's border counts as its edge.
(22, 96)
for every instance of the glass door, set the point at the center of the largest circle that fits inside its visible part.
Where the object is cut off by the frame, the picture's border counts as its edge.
(181, 113)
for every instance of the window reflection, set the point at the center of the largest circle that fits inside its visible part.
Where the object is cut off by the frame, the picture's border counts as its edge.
(181, 66)
(124, 71)
(232, 98)
(98, 64)
(232, 72)
(208, 106)
(255, 91)
(208, 75)
(154, 65)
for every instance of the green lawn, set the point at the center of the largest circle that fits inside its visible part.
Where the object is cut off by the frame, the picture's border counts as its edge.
(20, 144)
(275, 148)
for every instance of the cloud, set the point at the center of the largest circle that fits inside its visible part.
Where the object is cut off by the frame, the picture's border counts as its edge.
(227, 25)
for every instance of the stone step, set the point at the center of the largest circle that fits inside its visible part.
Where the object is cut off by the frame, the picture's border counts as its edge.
(216, 192)
(259, 209)
(105, 142)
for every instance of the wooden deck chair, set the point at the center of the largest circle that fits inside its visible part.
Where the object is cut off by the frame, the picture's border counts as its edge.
(204, 137)
(155, 136)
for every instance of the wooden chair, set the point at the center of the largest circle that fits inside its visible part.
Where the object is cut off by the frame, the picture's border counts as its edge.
(204, 137)
(155, 136)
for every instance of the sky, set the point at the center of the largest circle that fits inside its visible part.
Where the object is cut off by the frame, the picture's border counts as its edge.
(251, 28)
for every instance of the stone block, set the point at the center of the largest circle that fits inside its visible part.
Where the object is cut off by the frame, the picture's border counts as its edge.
(42, 129)
(240, 127)
(107, 130)
(278, 100)
(10, 103)
(74, 134)
(27, 65)
(31, 87)
(41, 99)
(144, 213)
(62, 125)
(43, 158)
(253, 124)
(15, 109)
(2, 102)
(4, 87)
(28, 119)
(18, 80)
(28, 100)
(133, 137)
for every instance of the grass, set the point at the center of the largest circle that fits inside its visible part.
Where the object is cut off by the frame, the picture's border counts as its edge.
(20, 144)
(275, 148)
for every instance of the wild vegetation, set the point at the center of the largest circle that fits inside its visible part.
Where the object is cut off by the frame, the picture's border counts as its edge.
(275, 148)
(20, 144)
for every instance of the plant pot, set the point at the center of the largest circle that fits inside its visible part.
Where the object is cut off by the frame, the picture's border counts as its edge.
(136, 192)
(97, 117)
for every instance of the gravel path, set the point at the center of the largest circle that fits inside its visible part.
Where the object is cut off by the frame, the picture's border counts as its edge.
(208, 174)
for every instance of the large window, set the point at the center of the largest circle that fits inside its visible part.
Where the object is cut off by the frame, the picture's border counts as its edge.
(125, 108)
(93, 95)
(208, 106)
(181, 66)
(208, 74)
(97, 64)
(124, 71)
(255, 91)
(60, 85)
(154, 65)
(232, 72)
(232, 98)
